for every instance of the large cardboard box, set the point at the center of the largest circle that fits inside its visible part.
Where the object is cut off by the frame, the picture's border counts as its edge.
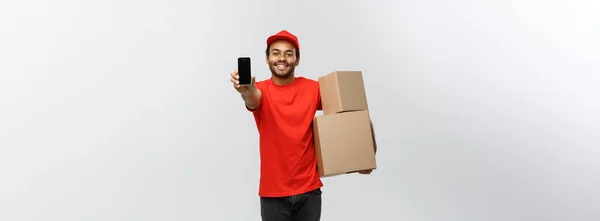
(344, 143)
(342, 91)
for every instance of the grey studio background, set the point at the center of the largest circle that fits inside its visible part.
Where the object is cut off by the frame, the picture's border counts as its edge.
(123, 110)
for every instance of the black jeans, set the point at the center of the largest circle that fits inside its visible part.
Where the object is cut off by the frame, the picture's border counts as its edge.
(301, 207)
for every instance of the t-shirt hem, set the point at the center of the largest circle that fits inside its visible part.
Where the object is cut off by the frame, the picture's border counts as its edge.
(289, 193)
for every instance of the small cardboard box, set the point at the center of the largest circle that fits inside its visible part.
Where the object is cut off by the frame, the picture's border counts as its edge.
(344, 143)
(342, 91)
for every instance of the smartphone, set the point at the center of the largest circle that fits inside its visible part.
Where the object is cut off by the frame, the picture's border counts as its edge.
(244, 71)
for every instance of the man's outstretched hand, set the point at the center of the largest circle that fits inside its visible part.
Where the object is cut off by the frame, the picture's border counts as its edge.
(242, 89)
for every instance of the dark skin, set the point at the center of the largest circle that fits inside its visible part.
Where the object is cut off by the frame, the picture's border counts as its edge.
(282, 60)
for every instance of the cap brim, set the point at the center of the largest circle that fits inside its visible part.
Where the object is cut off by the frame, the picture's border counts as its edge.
(274, 38)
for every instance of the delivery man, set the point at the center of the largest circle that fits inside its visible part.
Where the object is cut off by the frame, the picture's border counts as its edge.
(283, 107)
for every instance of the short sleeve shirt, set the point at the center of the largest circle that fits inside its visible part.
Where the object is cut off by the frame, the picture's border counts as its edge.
(284, 118)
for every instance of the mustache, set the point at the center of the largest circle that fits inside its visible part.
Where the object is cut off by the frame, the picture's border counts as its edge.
(280, 62)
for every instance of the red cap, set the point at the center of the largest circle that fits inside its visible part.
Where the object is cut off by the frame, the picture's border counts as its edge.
(284, 35)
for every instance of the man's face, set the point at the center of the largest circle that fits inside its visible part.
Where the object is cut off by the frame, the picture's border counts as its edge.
(282, 58)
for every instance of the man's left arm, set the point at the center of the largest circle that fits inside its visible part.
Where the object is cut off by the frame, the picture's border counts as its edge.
(374, 141)
(374, 147)
(319, 102)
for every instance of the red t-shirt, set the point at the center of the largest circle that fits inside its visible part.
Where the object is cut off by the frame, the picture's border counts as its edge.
(284, 121)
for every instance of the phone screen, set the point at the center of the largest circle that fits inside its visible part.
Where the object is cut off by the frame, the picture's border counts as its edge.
(244, 70)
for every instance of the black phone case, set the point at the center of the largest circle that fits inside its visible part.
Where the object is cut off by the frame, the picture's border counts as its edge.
(244, 70)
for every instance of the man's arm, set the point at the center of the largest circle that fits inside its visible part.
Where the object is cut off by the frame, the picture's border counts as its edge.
(319, 104)
(373, 133)
(374, 146)
(252, 98)
(250, 93)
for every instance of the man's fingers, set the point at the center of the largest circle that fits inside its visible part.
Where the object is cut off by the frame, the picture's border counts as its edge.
(235, 74)
(365, 172)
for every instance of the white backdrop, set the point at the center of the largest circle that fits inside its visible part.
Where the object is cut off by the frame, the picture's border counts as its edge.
(122, 110)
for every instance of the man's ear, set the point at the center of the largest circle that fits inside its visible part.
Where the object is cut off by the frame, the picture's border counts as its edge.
(267, 59)
(297, 61)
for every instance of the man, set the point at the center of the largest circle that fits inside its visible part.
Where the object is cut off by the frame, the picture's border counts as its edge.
(284, 107)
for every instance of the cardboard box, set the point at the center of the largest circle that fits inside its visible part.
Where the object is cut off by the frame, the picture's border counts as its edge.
(344, 143)
(342, 91)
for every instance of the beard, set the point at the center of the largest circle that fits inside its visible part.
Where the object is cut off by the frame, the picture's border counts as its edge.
(289, 69)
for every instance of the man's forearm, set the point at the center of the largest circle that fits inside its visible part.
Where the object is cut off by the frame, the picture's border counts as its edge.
(373, 134)
(252, 98)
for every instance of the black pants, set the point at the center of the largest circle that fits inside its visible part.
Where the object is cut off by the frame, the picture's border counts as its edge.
(302, 207)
